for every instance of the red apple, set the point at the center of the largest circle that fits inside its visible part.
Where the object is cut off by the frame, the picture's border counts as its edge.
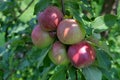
(58, 54)
(50, 18)
(69, 32)
(41, 38)
(81, 54)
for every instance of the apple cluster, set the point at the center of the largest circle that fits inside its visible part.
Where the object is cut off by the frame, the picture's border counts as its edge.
(70, 46)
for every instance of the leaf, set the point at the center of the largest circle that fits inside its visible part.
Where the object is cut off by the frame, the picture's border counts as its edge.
(85, 5)
(103, 59)
(18, 28)
(45, 72)
(59, 73)
(100, 44)
(2, 39)
(103, 23)
(3, 6)
(6, 74)
(110, 74)
(74, 10)
(41, 5)
(92, 73)
(97, 5)
(79, 75)
(71, 74)
(1, 74)
(118, 10)
(24, 64)
(42, 56)
(76, 15)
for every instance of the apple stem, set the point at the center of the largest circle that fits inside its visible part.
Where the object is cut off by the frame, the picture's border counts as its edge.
(63, 8)
(76, 75)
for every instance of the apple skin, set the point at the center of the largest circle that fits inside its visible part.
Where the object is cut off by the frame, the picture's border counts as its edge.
(81, 54)
(69, 32)
(53, 34)
(58, 54)
(41, 38)
(50, 18)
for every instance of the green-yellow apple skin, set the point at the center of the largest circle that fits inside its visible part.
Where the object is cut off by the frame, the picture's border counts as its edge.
(41, 38)
(58, 54)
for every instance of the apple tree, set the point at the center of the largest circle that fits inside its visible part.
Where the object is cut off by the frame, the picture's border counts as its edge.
(59, 39)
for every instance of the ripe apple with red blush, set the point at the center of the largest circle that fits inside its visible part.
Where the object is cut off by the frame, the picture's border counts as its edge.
(50, 18)
(70, 32)
(58, 54)
(41, 38)
(81, 54)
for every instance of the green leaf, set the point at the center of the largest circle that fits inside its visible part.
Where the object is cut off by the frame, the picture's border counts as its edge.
(100, 44)
(72, 74)
(3, 6)
(110, 74)
(45, 72)
(28, 14)
(76, 15)
(59, 73)
(6, 74)
(103, 59)
(24, 64)
(2, 39)
(74, 10)
(97, 6)
(79, 75)
(103, 23)
(18, 28)
(41, 5)
(85, 5)
(42, 56)
(118, 10)
(92, 73)
(1, 74)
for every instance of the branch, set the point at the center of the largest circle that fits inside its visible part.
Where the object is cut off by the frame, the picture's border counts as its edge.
(63, 8)
(76, 74)
(10, 21)
(25, 9)
(107, 7)
(22, 11)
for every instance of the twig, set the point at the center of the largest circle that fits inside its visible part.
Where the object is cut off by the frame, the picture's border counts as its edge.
(76, 75)
(116, 6)
(25, 9)
(10, 21)
(63, 8)
(22, 11)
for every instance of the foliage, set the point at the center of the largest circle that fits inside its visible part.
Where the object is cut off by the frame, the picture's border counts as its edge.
(21, 60)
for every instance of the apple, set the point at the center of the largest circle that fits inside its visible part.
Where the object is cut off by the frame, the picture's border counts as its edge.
(69, 32)
(41, 38)
(53, 34)
(50, 18)
(58, 54)
(81, 54)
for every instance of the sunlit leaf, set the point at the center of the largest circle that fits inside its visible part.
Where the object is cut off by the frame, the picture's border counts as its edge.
(103, 23)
